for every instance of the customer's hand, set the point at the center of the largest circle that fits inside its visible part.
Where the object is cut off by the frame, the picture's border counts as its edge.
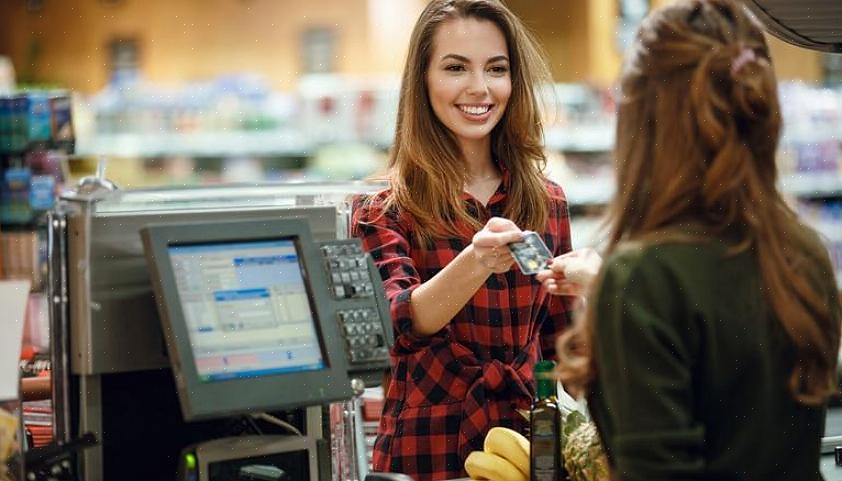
(571, 274)
(490, 245)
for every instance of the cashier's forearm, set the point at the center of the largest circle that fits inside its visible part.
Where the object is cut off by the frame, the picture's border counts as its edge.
(435, 302)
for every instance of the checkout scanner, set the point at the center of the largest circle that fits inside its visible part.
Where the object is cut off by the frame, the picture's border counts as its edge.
(275, 313)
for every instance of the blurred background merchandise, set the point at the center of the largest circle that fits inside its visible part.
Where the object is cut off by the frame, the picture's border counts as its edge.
(187, 92)
(246, 90)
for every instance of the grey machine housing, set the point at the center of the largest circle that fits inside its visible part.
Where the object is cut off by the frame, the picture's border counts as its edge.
(202, 400)
(111, 369)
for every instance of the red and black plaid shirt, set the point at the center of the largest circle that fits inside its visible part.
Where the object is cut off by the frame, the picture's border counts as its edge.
(447, 390)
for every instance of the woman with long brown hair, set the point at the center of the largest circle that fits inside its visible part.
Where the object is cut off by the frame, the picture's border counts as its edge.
(464, 178)
(710, 346)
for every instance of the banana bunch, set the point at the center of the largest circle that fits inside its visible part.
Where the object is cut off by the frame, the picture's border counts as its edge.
(505, 457)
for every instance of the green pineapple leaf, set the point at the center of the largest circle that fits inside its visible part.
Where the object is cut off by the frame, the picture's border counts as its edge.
(572, 421)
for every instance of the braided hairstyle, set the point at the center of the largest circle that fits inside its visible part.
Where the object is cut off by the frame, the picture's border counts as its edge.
(697, 130)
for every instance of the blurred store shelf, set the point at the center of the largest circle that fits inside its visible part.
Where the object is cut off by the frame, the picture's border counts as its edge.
(275, 143)
(600, 189)
(589, 190)
(290, 142)
(580, 138)
(813, 184)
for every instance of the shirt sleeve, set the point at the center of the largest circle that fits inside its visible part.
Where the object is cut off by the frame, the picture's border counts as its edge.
(560, 308)
(644, 349)
(386, 238)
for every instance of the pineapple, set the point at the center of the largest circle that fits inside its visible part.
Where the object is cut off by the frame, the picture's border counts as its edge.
(584, 459)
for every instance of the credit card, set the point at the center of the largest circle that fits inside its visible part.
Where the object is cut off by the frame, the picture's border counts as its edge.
(531, 254)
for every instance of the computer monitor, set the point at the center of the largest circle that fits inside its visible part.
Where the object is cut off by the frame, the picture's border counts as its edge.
(246, 315)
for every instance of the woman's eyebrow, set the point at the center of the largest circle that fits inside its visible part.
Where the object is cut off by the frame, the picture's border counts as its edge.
(461, 58)
(456, 57)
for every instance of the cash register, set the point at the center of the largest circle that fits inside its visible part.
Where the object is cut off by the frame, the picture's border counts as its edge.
(259, 317)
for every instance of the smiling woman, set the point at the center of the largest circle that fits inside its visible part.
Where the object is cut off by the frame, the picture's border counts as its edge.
(468, 81)
(464, 179)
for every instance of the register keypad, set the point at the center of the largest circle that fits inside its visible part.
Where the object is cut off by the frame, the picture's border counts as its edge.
(364, 335)
(348, 271)
(361, 309)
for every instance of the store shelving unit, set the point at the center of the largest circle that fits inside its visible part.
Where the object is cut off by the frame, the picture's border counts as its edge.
(36, 136)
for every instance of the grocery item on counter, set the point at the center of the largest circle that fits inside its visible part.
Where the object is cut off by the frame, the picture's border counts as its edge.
(8, 435)
(510, 445)
(483, 465)
(505, 457)
(545, 427)
(583, 456)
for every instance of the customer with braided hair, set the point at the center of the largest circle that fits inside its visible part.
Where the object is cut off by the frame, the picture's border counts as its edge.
(709, 347)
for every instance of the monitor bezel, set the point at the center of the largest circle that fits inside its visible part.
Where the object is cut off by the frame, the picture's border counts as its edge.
(229, 397)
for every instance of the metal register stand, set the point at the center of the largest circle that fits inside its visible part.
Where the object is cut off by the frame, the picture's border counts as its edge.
(102, 317)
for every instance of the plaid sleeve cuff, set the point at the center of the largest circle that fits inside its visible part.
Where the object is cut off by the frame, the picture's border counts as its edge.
(405, 340)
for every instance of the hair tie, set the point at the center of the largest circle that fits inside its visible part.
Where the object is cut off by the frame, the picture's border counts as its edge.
(746, 55)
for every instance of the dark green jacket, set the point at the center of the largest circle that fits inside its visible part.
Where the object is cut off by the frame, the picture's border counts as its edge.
(692, 370)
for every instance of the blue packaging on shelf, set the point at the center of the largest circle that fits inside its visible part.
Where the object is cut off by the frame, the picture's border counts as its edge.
(42, 192)
(28, 121)
(38, 119)
(14, 196)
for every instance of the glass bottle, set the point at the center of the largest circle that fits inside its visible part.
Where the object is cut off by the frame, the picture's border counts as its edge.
(545, 428)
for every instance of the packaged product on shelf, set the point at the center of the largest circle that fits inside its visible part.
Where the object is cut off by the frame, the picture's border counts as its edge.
(345, 109)
(18, 124)
(28, 187)
(42, 192)
(61, 122)
(14, 196)
(812, 123)
(35, 120)
(36, 114)
(21, 256)
(822, 156)
(5, 124)
(46, 162)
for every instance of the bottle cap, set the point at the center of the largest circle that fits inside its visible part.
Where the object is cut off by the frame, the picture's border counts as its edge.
(544, 367)
(545, 379)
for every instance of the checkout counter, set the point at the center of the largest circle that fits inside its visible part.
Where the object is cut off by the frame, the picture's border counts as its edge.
(220, 333)
(211, 332)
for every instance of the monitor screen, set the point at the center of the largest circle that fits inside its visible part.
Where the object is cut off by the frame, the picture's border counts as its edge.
(247, 309)
(247, 316)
